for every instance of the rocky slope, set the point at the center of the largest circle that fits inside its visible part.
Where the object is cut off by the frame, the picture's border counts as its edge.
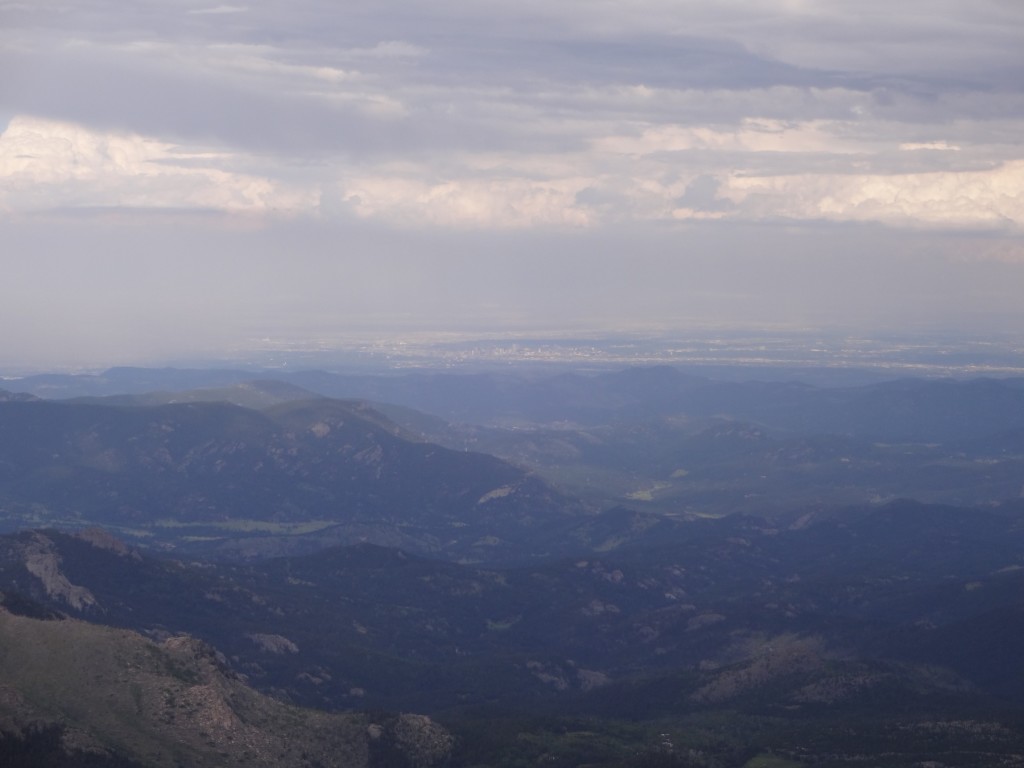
(112, 695)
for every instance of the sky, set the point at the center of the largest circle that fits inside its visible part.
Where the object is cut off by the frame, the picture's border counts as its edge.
(179, 177)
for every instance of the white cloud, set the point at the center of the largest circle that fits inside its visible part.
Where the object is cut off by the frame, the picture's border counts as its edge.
(751, 135)
(507, 115)
(948, 199)
(639, 176)
(645, 175)
(502, 203)
(938, 146)
(260, 62)
(391, 49)
(45, 164)
(218, 10)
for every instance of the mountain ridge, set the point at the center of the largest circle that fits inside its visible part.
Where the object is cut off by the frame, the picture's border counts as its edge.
(220, 471)
(115, 695)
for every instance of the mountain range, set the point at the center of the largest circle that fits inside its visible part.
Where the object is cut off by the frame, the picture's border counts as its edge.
(641, 567)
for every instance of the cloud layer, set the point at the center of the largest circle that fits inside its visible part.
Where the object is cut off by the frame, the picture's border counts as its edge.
(457, 162)
(516, 115)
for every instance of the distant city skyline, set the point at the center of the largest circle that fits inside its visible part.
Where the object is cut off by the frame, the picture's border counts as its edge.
(178, 180)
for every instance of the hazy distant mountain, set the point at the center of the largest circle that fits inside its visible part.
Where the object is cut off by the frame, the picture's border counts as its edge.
(641, 429)
(660, 439)
(22, 397)
(903, 410)
(247, 394)
(217, 473)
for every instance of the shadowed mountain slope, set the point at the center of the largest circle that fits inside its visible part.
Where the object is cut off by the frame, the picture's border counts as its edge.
(245, 481)
(366, 624)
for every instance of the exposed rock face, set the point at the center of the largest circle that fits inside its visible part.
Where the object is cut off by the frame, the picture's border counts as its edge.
(102, 539)
(114, 693)
(771, 660)
(43, 562)
(591, 678)
(274, 643)
(421, 741)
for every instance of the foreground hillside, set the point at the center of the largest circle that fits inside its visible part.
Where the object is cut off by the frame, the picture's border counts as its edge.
(871, 633)
(78, 693)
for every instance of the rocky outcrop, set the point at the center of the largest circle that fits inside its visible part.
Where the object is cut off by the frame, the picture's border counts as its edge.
(43, 562)
(177, 703)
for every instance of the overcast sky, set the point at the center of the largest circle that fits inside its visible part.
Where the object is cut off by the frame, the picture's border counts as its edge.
(179, 177)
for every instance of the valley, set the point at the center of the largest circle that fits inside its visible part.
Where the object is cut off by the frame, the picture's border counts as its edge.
(636, 567)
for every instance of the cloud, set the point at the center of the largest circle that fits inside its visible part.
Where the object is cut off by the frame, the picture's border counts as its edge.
(188, 173)
(468, 203)
(390, 49)
(218, 10)
(751, 135)
(648, 176)
(514, 115)
(47, 165)
(965, 199)
(939, 146)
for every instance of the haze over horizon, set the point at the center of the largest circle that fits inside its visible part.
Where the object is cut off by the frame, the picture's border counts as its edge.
(180, 178)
